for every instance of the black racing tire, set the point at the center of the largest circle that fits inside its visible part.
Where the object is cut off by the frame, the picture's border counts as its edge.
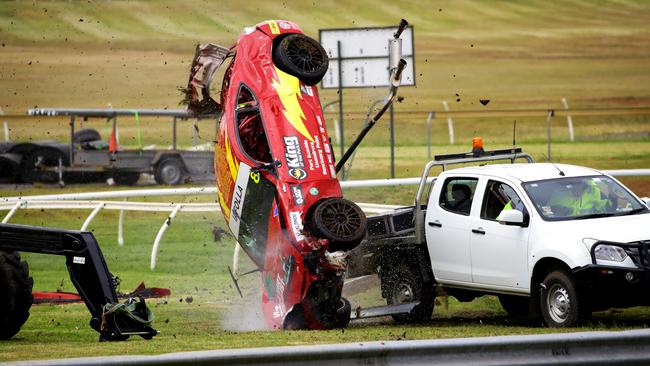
(561, 302)
(126, 178)
(170, 171)
(302, 57)
(9, 167)
(15, 293)
(33, 167)
(340, 221)
(342, 316)
(295, 319)
(86, 135)
(516, 306)
(404, 284)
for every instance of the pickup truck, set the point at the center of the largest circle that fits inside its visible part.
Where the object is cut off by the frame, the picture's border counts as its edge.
(552, 240)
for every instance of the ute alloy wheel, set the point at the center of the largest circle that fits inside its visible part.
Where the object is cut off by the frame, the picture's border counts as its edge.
(302, 57)
(404, 284)
(340, 221)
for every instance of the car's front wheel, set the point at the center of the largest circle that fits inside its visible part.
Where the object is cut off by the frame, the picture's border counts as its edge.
(560, 301)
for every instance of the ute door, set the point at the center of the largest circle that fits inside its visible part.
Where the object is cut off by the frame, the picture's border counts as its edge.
(448, 227)
(499, 252)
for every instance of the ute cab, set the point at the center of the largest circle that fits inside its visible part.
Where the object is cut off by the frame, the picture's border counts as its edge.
(276, 173)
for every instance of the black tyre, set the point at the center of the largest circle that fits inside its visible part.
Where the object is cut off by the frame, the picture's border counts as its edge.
(517, 306)
(295, 319)
(170, 171)
(9, 164)
(15, 293)
(340, 221)
(404, 284)
(342, 318)
(86, 135)
(302, 57)
(561, 304)
(126, 178)
(37, 165)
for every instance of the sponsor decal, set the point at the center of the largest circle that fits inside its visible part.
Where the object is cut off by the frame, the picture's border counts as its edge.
(294, 158)
(333, 171)
(296, 225)
(313, 191)
(288, 89)
(79, 260)
(284, 25)
(298, 196)
(274, 27)
(238, 198)
(307, 90)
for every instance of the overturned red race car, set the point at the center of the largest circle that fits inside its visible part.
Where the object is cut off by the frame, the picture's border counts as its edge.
(276, 172)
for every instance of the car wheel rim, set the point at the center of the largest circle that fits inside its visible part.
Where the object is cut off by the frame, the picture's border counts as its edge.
(341, 219)
(170, 173)
(558, 303)
(403, 294)
(305, 55)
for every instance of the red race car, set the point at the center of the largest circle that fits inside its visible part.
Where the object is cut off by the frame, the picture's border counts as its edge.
(276, 171)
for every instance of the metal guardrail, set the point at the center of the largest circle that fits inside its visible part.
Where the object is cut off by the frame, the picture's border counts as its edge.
(588, 348)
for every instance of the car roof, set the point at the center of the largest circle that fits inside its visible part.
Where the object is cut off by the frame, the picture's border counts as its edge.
(527, 172)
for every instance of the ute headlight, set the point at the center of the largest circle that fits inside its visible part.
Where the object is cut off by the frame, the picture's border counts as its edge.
(610, 253)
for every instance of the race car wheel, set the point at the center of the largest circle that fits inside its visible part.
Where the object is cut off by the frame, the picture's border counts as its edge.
(302, 57)
(515, 305)
(560, 301)
(37, 165)
(15, 293)
(405, 284)
(342, 316)
(169, 171)
(340, 221)
(295, 319)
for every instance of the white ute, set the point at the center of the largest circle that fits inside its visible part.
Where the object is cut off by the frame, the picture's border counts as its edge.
(555, 240)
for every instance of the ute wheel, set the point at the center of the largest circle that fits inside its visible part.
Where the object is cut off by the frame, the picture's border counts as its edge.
(169, 171)
(515, 305)
(126, 178)
(342, 315)
(404, 284)
(302, 57)
(33, 166)
(16, 293)
(560, 301)
(340, 221)
(86, 135)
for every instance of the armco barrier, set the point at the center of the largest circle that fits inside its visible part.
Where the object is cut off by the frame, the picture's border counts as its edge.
(588, 348)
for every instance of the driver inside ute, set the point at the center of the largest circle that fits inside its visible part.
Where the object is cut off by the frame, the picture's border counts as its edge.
(578, 198)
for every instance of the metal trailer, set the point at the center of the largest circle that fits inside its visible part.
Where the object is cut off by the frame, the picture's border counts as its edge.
(84, 158)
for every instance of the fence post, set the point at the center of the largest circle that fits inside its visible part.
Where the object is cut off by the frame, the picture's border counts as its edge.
(92, 216)
(450, 123)
(161, 232)
(429, 118)
(550, 114)
(120, 227)
(569, 120)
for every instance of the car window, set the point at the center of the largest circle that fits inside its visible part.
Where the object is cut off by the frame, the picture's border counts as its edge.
(457, 194)
(250, 129)
(498, 197)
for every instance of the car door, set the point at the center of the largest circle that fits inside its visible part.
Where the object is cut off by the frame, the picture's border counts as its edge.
(448, 227)
(499, 252)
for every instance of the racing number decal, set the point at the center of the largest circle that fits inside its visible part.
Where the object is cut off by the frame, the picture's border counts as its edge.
(255, 176)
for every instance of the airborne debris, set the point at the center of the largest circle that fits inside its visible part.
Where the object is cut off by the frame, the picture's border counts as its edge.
(484, 101)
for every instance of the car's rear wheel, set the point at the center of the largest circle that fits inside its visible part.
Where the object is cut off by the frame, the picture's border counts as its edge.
(15, 293)
(302, 57)
(340, 221)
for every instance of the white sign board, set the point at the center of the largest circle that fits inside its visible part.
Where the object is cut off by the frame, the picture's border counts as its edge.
(364, 56)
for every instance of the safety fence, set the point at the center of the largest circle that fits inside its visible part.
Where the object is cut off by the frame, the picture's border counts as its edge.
(587, 348)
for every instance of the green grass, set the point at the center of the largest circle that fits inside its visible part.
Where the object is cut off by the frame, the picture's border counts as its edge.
(523, 54)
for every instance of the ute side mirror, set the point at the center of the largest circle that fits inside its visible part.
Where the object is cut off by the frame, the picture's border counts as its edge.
(512, 217)
(646, 200)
